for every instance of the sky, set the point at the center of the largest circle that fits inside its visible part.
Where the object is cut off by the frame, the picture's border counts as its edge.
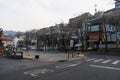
(24, 15)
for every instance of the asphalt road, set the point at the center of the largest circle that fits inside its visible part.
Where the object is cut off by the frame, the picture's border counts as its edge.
(92, 67)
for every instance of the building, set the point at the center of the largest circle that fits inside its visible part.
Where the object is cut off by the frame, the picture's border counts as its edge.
(117, 3)
(1, 45)
(30, 39)
(77, 27)
(104, 29)
(6, 41)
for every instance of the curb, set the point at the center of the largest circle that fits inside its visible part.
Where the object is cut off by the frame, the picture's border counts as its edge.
(28, 57)
(81, 55)
(78, 56)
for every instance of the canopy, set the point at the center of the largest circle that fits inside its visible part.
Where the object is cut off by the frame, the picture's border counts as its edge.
(6, 39)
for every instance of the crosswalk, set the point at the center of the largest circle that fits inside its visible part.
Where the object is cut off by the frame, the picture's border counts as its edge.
(106, 61)
(98, 60)
(103, 61)
(116, 62)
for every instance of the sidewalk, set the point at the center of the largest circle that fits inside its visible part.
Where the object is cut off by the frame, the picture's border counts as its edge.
(51, 57)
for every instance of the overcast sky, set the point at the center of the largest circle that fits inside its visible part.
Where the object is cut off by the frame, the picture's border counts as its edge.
(23, 15)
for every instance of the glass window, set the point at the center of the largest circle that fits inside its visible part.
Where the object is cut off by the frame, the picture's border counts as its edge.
(117, 4)
(94, 28)
(110, 28)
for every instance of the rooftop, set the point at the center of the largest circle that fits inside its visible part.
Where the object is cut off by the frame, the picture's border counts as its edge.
(117, 0)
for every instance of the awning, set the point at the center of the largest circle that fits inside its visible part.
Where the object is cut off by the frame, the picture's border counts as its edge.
(6, 39)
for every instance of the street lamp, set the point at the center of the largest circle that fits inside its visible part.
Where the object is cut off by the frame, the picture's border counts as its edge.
(105, 31)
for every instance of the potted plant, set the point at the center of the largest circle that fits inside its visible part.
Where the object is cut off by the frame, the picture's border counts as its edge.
(36, 56)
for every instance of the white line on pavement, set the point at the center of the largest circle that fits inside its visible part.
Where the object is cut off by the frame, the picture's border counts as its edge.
(98, 60)
(37, 72)
(106, 61)
(90, 59)
(68, 65)
(116, 62)
(105, 67)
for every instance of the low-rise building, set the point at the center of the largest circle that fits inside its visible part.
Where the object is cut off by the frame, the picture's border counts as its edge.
(104, 29)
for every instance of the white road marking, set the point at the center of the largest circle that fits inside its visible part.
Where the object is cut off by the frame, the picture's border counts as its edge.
(36, 72)
(69, 65)
(98, 60)
(116, 62)
(105, 67)
(106, 61)
(33, 75)
(90, 59)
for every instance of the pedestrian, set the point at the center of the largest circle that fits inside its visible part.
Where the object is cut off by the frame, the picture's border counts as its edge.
(27, 48)
(13, 47)
(7, 51)
(71, 47)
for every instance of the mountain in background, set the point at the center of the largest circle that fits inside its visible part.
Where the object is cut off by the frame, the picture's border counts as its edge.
(10, 32)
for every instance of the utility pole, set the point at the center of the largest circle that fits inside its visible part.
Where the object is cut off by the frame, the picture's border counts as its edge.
(116, 31)
(105, 31)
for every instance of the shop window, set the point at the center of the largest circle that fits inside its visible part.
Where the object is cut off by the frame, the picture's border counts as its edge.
(94, 28)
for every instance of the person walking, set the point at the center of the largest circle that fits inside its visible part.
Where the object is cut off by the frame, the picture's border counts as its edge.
(71, 48)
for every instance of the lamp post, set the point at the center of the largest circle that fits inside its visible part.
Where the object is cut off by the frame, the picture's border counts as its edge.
(116, 31)
(105, 31)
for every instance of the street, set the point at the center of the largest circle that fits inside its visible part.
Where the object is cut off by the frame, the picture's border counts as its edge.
(59, 40)
(91, 67)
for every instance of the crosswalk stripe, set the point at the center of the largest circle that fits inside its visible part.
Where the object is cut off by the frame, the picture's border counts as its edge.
(98, 60)
(106, 61)
(102, 60)
(90, 59)
(116, 62)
